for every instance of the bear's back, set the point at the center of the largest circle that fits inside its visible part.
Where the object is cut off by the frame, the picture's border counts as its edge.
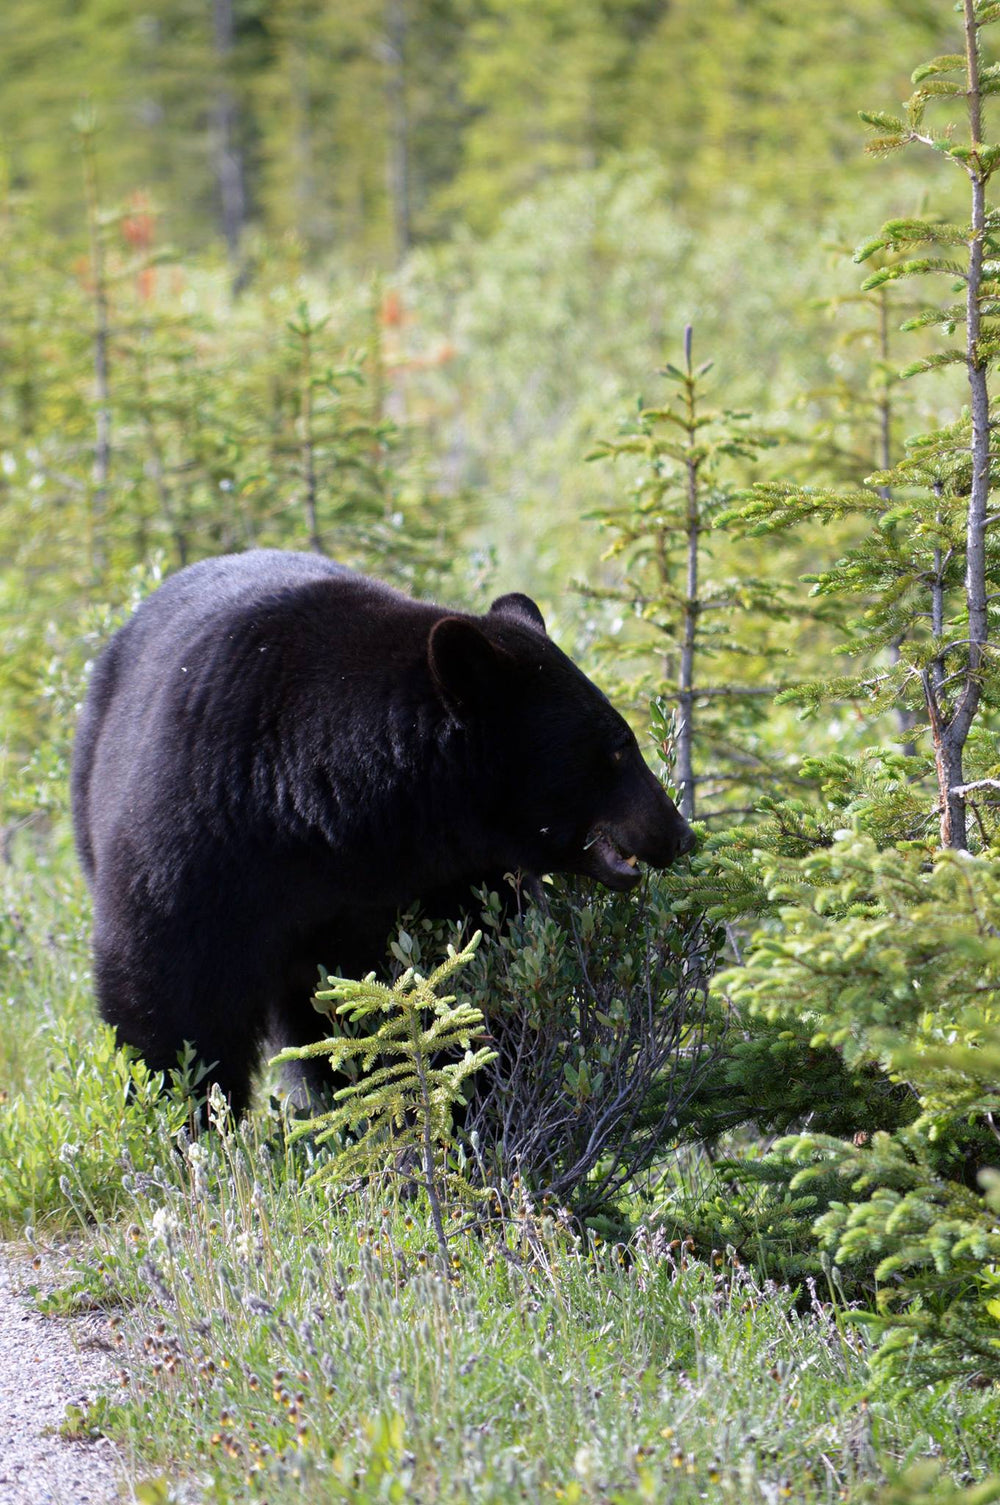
(195, 613)
(213, 588)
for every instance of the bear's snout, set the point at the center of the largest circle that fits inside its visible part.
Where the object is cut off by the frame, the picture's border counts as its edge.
(645, 828)
(665, 839)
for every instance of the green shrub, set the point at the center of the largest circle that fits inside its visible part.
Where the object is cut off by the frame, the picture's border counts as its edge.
(595, 1004)
(95, 1115)
(893, 958)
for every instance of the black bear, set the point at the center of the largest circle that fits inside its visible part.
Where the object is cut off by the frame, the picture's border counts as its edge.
(276, 755)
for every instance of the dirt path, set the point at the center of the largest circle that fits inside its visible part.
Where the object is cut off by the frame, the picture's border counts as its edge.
(45, 1364)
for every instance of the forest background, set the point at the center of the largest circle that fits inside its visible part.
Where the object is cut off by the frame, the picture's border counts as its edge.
(558, 298)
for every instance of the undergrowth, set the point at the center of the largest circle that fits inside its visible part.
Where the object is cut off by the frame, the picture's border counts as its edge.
(285, 1337)
(285, 1342)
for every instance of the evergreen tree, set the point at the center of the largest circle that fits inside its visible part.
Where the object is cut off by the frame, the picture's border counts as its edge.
(928, 568)
(894, 960)
(878, 945)
(544, 81)
(411, 1078)
(695, 659)
(362, 129)
(728, 93)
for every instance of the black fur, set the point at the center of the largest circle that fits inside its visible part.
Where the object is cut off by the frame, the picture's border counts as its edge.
(276, 754)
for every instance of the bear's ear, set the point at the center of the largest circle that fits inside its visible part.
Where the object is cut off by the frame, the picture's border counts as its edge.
(521, 607)
(464, 664)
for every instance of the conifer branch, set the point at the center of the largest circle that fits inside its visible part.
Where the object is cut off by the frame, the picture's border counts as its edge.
(406, 1105)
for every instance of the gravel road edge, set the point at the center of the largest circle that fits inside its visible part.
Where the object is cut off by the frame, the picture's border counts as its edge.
(46, 1364)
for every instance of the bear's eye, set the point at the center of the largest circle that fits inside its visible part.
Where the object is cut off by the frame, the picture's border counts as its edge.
(618, 755)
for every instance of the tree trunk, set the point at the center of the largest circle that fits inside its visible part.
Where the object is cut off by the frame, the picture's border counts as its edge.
(685, 698)
(398, 157)
(229, 165)
(949, 746)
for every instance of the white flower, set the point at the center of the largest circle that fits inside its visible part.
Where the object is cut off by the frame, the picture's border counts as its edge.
(164, 1225)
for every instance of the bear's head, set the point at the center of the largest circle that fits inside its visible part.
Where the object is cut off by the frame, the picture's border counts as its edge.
(577, 796)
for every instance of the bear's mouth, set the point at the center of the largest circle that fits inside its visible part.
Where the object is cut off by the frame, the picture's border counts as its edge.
(608, 862)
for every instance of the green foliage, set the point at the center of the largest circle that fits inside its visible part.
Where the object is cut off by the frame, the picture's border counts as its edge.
(593, 1005)
(270, 1327)
(360, 131)
(862, 939)
(873, 944)
(775, 95)
(317, 1351)
(688, 604)
(923, 1483)
(156, 407)
(404, 1100)
(560, 316)
(142, 420)
(98, 1113)
(880, 792)
(596, 1004)
(548, 88)
(893, 958)
(925, 573)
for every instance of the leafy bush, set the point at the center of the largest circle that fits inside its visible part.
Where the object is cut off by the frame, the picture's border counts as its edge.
(95, 1113)
(596, 1006)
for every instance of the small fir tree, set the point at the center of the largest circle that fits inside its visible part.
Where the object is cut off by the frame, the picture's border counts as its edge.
(893, 958)
(401, 1107)
(689, 651)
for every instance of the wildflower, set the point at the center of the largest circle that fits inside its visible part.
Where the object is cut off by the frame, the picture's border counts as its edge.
(164, 1225)
(583, 1462)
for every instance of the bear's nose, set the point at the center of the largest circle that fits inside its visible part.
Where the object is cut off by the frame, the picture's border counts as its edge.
(687, 841)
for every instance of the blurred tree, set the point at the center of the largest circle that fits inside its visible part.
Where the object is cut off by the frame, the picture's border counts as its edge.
(361, 120)
(546, 80)
(730, 91)
(227, 145)
(370, 127)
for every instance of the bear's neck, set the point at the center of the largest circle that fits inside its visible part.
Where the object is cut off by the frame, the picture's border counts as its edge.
(412, 789)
